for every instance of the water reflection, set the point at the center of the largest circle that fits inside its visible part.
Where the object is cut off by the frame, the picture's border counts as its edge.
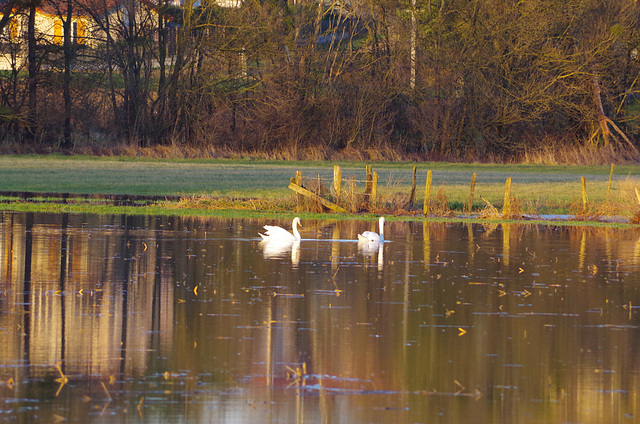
(372, 249)
(182, 319)
(275, 249)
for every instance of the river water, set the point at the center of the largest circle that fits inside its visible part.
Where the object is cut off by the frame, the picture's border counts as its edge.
(152, 319)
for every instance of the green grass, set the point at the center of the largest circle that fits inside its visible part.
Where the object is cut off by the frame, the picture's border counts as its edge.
(542, 189)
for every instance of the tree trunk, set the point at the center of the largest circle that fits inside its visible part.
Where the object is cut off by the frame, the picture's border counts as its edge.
(68, 56)
(602, 118)
(32, 82)
(414, 35)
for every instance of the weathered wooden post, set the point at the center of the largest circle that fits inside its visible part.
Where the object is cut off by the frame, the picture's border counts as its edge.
(506, 209)
(299, 197)
(472, 192)
(367, 188)
(609, 184)
(583, 181)
(427, 194)
(337, 181)
(412, 195)
(374, 190)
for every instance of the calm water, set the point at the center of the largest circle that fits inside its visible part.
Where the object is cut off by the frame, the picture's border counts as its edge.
(167, 319)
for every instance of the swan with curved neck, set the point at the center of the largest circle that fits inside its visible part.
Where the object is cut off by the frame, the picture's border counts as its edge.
(371, 236)
(279, 234)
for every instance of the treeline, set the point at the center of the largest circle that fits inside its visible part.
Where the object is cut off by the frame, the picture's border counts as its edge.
(470, 79)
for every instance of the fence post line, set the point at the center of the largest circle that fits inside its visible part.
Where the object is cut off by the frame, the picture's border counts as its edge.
(472, 192)
(427, 194)
(337, 181)
(506, 209)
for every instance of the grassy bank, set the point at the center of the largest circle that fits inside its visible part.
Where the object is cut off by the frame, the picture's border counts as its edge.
(260, 186)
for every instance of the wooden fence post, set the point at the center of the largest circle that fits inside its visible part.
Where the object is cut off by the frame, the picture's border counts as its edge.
(427, 194)
(472, 192)
(506, 209)
(412, 195)
(337, 181)
(299, 197)
(374, 190)
(609, 184)
(583, 181)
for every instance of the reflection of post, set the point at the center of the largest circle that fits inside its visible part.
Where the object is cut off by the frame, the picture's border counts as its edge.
(506, 233)
(583, 249)
(426, 245)
(608, 247)
(335, 248)
(471, 244)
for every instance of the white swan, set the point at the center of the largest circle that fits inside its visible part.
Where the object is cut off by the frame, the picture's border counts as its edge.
(279, 234)
(373, 237)
(368, 248)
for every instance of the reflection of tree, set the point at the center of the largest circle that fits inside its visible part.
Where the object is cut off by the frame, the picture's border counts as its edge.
(76, 289)
(26, 288)
(63, 279)
(141, 296)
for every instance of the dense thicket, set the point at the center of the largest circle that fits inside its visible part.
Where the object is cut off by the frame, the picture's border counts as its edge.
(466, 78)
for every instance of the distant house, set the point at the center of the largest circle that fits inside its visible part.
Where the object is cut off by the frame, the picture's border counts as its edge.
(89, 21)
(49, 31)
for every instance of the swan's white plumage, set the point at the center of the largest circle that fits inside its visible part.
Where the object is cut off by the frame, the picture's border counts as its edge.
(279, 234)
(373, 237)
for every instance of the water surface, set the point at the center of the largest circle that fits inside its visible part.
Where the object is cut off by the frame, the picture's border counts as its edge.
(174, 319)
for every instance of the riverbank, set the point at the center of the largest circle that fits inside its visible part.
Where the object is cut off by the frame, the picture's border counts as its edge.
(204, 187)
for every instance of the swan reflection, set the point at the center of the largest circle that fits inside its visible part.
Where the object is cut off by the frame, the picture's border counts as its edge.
(370, 248)
(277, 249)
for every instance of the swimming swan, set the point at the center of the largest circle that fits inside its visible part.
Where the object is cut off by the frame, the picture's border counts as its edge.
(279, 234)
(373, 237)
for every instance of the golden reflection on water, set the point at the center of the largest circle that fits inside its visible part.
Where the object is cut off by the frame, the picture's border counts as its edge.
(444, 322)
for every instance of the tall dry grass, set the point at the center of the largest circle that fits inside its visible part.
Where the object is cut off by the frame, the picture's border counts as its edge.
(543, 155)
(555, 153)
